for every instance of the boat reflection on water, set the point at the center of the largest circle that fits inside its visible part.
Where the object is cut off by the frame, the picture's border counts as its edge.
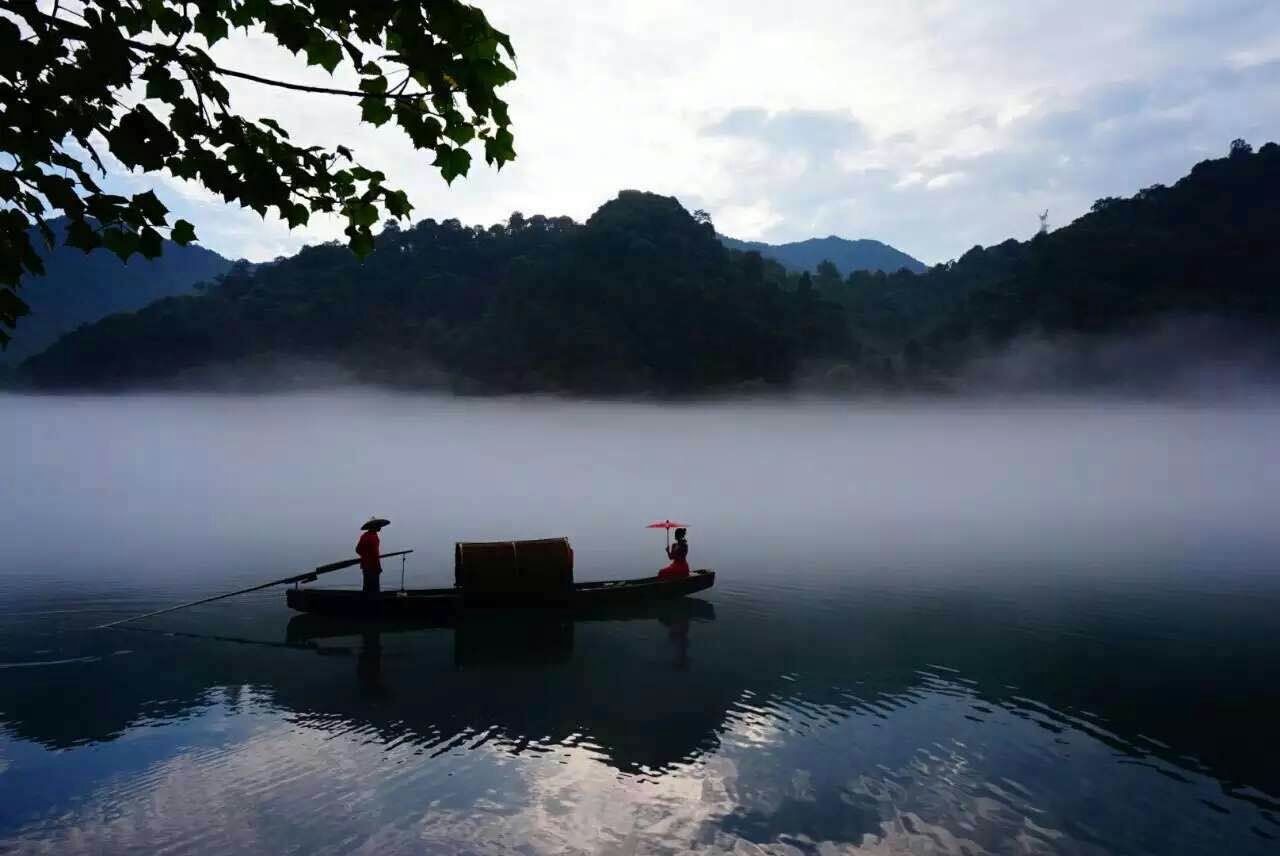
(369, 665)
(526, 679)
(497, 640)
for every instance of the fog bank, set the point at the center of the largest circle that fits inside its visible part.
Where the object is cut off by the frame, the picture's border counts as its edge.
(1183, 358)
(137, 489)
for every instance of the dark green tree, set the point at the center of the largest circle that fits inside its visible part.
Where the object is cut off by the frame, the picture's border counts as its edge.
(828, 277)
(134, 77)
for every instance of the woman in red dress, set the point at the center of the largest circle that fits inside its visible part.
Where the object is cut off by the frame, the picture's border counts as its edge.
(678, 553)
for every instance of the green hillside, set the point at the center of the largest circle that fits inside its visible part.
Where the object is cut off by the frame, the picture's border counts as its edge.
(644, 297)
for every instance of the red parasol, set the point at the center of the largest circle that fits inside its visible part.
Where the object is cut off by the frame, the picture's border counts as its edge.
(667, 525)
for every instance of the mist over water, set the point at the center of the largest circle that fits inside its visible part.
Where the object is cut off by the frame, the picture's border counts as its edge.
(153, 485)
(1001, 627)
(1179, 359)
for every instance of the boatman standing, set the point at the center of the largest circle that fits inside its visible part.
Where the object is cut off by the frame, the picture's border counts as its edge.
(368, 548)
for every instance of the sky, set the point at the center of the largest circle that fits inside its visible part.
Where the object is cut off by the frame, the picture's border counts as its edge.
(932, 125)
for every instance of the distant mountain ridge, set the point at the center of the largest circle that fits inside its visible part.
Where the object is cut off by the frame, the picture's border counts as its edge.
(848, 256)
(80, 288)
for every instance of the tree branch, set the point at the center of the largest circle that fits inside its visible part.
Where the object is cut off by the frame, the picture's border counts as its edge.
(77, 32)
(322, 90)
(195, 84)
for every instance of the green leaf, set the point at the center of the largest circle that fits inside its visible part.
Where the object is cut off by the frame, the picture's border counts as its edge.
(60, 192)
(150, 207)
(275, 126)
(186, 121)
(47, 234)
(361, 243)
(161, 84)
(423, 130)
(9, 32)
(297, 215)
(248, 13)
(31, 259)
(105, 207)
(12, 307)
(500, 149)
(141, 140)
(211, 26)
(343, 184)
(498, 110)
(373, 176)
(353, 53)
(397, 202)
(375, 110)
(171, 22)
(361, 214)
(183, 233)
(324, 53)
(165, 90)
(494, 74)
(460, 133)
(81, 236)
(452, 162)
(505, 41)
(150, 244)
(481, 49)
(120, 242)
(376, 85)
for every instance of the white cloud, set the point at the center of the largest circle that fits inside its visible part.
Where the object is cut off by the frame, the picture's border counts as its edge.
(946, 179)
(823, 116)
(747, 219)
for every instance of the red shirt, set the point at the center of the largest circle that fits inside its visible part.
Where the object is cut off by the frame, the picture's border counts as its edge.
(368, 548)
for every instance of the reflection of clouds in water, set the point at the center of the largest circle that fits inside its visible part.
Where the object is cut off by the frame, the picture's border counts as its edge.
(283, 782)
(930, 771)
(752, 726)
(582, 806)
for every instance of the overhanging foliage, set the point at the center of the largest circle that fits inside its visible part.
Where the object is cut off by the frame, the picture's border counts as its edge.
(135, 78)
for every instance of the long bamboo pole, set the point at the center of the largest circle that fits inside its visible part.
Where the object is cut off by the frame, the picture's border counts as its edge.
(309, 576)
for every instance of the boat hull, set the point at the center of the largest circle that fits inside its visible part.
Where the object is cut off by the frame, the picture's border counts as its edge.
(308, 628)
(436, 604)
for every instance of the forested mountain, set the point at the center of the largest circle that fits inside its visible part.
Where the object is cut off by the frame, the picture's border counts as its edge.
(848, 256)
(79, 288)
(644, 297)
(640, 297)
(1204, 248)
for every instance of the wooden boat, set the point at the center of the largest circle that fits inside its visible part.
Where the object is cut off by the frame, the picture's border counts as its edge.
(436, 604)
(308, 628)
(535, 574)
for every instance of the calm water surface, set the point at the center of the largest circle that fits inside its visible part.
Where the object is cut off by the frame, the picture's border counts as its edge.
(1042, 628)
